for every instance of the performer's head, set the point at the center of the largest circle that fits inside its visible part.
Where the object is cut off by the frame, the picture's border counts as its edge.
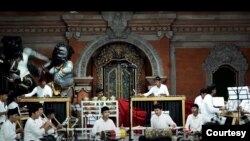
(42, 82)
(13, 96)
(105, 112)
(13, 114)
(211, 89)
(157, 81)
(203, 92)
(157, 108)
(50, 113)
(99, 92)
(195, 109)
(3, 95)
(35, 110)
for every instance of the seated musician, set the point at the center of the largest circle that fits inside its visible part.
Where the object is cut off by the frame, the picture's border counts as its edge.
(160, 121)
(245, 111)
(8, 131)
(13, 102)
(35, 128)
(104, 123)
(194, 120)
(99, 93)
(3, 106)
(208, 111)
(50, 115)
(157, 90)
(43, 90)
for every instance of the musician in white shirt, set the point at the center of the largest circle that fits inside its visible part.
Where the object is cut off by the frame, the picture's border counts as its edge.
(33, 129)
(8, 131)
(194, 121)
(157, 90)
(3, 106)
(104, 123)
(245, 111)
(208, 111)
(50, 115)
(198, 100)
(43, 90)
(160, 120)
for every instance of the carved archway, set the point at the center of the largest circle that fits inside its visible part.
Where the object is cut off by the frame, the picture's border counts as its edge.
(225, 55)
(133, 39)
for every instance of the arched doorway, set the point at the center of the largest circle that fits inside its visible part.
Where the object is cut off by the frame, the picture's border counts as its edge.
(225, 76)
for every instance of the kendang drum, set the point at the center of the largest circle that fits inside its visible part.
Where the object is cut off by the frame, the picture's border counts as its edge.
(154, 133)
(113, 134)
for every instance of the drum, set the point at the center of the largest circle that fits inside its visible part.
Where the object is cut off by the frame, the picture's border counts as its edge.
(113, 134)
(186, 136)
(153, 133)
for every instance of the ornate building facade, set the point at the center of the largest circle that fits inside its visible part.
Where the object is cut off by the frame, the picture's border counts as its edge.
(190, 49)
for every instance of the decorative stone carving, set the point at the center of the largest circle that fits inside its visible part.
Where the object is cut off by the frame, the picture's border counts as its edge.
(133, 39)
(117, 23)
(69, 35)
(225, 55)
(160, 34)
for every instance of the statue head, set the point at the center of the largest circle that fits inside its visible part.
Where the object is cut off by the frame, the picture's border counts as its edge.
(61, 54)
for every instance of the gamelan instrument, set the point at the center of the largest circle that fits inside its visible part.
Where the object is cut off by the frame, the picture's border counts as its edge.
(154, 133)
(113, 134)
(56, 89)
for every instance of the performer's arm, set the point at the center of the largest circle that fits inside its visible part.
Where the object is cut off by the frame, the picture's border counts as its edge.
(34, 91)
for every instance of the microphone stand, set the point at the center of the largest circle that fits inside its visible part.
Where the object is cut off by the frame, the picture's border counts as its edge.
(132, 67)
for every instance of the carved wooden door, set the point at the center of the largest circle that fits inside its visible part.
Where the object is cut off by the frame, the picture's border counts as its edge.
(118, 80)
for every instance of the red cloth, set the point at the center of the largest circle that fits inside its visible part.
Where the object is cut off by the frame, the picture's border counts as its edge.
(139, 116)
(188, 104)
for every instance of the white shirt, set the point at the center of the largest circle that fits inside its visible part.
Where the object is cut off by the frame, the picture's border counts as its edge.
(32, 130)
(163, 121)
(245, 104)
(198, 100)
(3, 108)
(157, 91)
(194, 123)
(41, 92)
(14, 105)
(101, 125)
(22, 65)
(8, 131)
(208, 111)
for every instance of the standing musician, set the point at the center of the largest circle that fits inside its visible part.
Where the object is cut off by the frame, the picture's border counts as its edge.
(158, 89)
(8, 132)
(208, 111)
(43, 90)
